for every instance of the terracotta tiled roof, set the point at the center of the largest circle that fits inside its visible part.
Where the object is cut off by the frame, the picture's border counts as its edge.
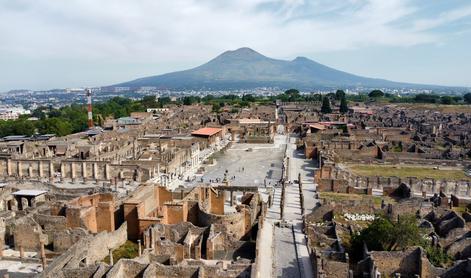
(206, 131)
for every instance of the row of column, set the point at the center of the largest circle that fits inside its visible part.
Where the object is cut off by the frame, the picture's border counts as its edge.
(41, 174)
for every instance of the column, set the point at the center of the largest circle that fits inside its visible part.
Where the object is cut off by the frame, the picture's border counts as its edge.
(30, 170)
(73, 174)
(95, 171)
(19, 168)
(9, 167)
(40, 169)
(62, 170)
(84, 170)
(51, 169)
(43, 254)
(139, 247)
(107, 171)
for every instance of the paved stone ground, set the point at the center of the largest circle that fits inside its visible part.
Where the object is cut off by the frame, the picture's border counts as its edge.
(301, 265)
(251, 164)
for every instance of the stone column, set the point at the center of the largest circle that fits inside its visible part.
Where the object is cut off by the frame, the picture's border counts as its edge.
(84, 170)
(95, 171)
(231, 202)
(72, 170)
(468, 189)
(22, 252)
(139, 247)
(107, 171)
(9, 172)
(62, 170)
(40, 169)
(111, 256)
(19, 166)
(43, 254)
(146, 240)
(1, 248)
(30, 171)
(51, 169)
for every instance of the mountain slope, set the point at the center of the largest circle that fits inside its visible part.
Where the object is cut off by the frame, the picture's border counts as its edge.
(246, 68)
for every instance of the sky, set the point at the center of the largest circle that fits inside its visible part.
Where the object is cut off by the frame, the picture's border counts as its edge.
(47, 44)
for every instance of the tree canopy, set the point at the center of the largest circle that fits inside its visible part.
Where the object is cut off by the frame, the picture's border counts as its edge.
(325, 108)
(376, 94)
(343, 104)
(467, 98)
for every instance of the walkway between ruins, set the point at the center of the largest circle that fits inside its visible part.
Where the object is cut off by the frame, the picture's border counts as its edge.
(297, 165)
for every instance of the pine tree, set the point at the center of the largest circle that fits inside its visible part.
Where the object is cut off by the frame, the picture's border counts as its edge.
(343, 105)
(326, 106)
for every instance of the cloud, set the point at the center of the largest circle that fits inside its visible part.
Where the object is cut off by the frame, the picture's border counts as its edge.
(186, 32)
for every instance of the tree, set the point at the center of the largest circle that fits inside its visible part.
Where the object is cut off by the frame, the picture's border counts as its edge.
(149, 102)
(326, 106)
(376, 94)
(446, 100)
(292, 92)
(384, 235)
(467, 98)
(248, 98)
(60, 127)
(339, 94)
(426, 98)
(406, 232)
(343, 104)
(216, 107)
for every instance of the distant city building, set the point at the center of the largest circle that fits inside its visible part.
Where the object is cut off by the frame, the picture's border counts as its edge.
(12, 113)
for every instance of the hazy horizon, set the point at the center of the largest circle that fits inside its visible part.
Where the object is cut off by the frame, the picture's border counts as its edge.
(53, 44)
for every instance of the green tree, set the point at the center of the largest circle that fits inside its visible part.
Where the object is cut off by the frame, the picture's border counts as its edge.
(446, 100)
(376, 94)
(325, 108)
(339, 94)
(343, 104)
(58, 126)
(406, 232)
(467, 98)
(149, 102)
(216, 107)
(248, 98)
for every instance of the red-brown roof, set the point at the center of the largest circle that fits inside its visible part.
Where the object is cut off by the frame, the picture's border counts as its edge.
(206, 131)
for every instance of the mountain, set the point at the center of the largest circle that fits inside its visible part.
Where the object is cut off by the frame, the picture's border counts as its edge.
(245, 68)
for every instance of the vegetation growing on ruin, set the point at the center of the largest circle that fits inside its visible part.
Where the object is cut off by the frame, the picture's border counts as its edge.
(128, 250)
(408, 171)
(385, 235)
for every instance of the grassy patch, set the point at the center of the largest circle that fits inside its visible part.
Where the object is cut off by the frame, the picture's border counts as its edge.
(408, 171)
(437, 107)
(128, 250)
(376, 200)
